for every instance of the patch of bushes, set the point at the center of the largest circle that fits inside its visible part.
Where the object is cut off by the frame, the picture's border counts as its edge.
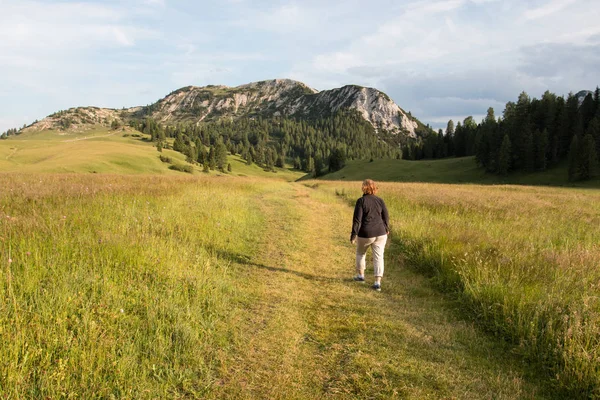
(166, 159)
(183, 168)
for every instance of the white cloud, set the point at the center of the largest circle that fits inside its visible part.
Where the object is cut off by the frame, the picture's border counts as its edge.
(547, 9)
(465, 54)
(429, 7)
(284, 18)
(41, 28)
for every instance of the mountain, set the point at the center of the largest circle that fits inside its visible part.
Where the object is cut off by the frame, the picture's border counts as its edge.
(582, 94)
(279, 97)
(271, 98)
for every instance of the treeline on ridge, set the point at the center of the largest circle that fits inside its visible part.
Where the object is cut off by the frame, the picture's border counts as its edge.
(9, 132)
(532, 135)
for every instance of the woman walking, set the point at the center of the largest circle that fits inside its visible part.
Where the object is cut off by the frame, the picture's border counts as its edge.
(370, 227)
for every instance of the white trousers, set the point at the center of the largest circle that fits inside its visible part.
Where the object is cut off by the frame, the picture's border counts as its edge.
(378, 246)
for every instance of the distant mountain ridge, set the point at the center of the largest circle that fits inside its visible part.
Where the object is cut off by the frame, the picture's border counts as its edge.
(270, 98)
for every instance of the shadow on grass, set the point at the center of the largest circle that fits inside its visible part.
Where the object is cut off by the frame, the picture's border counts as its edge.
(244, 260)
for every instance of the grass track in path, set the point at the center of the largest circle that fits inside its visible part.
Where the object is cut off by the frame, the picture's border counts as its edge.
(311, 332)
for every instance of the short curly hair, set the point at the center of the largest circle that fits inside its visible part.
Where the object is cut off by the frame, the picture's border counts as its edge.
(369, 187)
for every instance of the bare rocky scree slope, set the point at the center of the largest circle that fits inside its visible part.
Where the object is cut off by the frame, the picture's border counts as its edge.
(272, 98)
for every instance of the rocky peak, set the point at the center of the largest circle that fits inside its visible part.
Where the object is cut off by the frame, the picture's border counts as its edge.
(269, 98)
(582, 94)
(372, 104)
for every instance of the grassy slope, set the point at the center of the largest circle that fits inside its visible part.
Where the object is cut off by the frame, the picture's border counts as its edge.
(451, 170)
(101, 151)
(163, 287)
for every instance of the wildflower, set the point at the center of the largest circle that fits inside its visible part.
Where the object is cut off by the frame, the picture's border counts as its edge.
(28, 253)
(9, 260)
(122, 311)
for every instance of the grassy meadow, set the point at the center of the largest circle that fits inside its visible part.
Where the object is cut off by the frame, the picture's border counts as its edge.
(138, 281)
(462, 170)
(524, 261)
(130, 286)
(101, 150)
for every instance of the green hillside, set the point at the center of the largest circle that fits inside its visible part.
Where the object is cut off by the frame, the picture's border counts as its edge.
(449, 170)
(102, 150)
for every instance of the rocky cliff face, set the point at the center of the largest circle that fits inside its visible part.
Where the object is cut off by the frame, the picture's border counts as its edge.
(79, 119)
(374, 106)
(279, 97)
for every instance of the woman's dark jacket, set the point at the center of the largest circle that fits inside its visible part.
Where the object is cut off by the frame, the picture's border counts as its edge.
(371, 217)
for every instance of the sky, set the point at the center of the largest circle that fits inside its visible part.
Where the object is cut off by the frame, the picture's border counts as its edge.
(439, 59)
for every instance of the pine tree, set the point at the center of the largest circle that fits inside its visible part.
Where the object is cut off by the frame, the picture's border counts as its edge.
(587, 110)
(450, 128)
(527, 155)
(562, 129)
(470, 129)
(505, 156)
(229, 167)
(449, 138)
(220, 155)
(212, 160)
(318, 166)
(594, 131)
(337, 160)
(159, 146)
(459, 141)
(575, 122)
(597, 102)
(269, 162)
(191, 155)
(540, 145)
(310, 165)
(297, 163)
(554, 149)
(574, 159)
(588, 158)
(179, 145)
(280, 162)
(482, 150)
(201, 154)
